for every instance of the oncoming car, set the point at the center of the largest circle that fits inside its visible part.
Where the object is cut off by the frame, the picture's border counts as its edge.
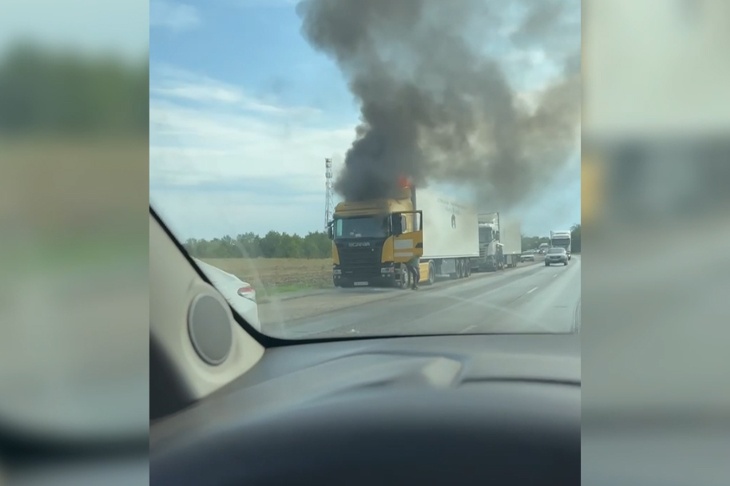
(239, 294)
(556, 255)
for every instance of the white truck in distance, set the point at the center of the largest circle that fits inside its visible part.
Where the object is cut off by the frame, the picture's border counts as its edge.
(561, 239)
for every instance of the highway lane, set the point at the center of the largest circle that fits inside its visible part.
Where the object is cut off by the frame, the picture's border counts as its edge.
(534, 298)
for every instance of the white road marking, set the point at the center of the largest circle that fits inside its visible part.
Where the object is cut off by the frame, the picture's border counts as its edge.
(464, 331)
(532, 290)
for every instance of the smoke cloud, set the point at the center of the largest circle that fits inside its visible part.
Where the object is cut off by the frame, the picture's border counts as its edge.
(435, 107)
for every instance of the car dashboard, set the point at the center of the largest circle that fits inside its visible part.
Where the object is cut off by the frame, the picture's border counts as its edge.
(471, 409)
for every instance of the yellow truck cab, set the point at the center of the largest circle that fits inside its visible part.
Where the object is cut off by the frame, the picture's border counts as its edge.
(373, 240)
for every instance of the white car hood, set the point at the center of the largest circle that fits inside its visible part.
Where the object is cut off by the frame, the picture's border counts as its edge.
(228, 284)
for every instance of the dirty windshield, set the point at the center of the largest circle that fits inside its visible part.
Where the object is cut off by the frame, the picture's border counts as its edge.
(358, 168)
(363, 227)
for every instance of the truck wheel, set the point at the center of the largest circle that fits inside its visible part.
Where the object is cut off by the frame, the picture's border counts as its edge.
(431, 274)
(405, 279)
(401, 281)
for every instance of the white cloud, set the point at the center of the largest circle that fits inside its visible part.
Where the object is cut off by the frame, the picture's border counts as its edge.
(200, 93)
(205, 145)
(174, 83)
(216, 166)
(213, 215)
(173, 15)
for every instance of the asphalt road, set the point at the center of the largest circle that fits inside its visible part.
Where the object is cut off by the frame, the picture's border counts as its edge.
(532, 298)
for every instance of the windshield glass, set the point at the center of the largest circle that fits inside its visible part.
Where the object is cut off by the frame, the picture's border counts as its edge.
(485, 235)
(277, 155)
(361, 227)
(556, 250)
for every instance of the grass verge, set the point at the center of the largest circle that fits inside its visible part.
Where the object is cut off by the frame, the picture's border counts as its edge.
(276, 276)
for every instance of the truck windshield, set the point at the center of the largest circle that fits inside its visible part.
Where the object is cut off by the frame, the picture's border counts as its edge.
(361, 227)
(485, 235)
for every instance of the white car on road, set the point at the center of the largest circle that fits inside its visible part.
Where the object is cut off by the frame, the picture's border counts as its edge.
(556, 254)
(527, 256)
(239, 294)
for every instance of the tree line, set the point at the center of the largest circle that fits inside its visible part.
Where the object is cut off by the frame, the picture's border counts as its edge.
(314, 245)
(273, 245)
(44, 91)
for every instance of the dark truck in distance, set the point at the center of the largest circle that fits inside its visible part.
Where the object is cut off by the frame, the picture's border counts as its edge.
(556, 255)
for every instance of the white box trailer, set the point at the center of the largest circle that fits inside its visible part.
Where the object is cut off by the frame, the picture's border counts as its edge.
(450, 234)
(511, 239)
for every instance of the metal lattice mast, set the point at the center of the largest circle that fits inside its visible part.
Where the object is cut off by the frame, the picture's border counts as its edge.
(330, 197)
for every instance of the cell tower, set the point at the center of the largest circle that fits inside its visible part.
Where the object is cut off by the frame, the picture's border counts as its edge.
(330, 197)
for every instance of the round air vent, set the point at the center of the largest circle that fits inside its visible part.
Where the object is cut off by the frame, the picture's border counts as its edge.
(210, 329)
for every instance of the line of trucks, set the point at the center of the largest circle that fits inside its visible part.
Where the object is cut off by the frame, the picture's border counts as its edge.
(373, 240)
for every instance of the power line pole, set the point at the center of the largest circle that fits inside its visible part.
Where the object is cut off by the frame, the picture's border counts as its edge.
(330, 197)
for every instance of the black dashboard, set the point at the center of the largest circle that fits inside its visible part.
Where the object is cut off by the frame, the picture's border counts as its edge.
(488, 409)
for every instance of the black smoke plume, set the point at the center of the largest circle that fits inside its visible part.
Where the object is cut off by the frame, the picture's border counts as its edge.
(435, 107)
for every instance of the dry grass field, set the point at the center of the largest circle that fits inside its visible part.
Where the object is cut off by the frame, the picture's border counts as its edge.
(277, 275)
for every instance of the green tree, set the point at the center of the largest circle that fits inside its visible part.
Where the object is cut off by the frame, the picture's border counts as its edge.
(46, 91)
(272, 245)
(533, 242)
(250, 245)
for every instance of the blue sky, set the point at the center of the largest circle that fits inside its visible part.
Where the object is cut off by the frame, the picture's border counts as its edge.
(243, 113)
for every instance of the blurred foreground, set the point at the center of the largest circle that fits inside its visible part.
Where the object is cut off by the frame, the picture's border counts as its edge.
(656, 167)
(73, 281)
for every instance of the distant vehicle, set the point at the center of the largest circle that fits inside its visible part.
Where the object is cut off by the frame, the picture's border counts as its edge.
(239, 294)
(528, 256)
(500, 243)
(491, 251)
(510, 236)
(556, 254)
(561, 239)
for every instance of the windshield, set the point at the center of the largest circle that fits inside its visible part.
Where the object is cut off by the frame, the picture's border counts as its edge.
(361, 227)
(280, 155)
(556, 250)
(485, 235)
